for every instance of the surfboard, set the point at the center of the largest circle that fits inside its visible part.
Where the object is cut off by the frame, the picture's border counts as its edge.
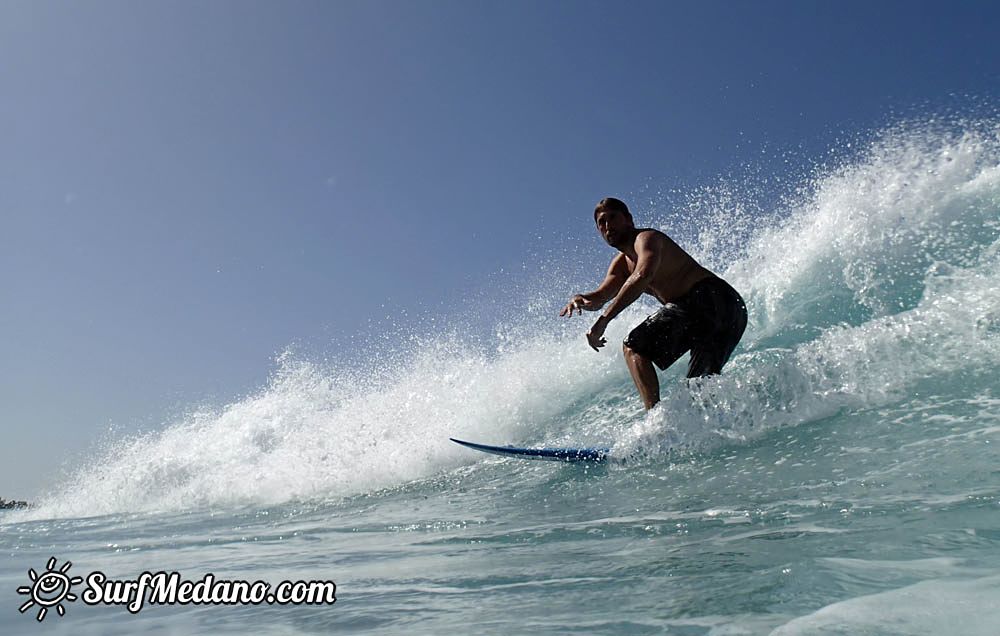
(592, 455)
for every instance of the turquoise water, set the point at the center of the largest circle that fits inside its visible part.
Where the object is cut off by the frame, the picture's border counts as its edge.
(840, 478)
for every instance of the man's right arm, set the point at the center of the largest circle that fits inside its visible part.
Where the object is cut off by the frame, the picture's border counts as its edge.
(608, 289)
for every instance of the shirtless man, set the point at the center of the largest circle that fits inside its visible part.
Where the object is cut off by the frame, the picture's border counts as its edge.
(700, 312)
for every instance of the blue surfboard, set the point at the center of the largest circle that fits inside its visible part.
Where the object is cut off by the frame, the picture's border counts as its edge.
(592, 455)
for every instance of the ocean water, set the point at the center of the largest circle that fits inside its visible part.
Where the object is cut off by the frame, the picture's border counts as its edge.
(841, 476)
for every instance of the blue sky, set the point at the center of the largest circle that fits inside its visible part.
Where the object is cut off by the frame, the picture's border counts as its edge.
(187, 188)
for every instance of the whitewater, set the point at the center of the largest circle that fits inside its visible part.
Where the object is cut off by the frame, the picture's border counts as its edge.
(840, 477)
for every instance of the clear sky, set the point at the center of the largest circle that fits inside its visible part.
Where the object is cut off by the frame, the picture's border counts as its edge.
(187, 188)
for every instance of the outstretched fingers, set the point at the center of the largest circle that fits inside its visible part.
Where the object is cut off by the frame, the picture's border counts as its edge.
(568, 309)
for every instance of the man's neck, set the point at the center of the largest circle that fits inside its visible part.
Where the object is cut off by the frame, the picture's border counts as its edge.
(627, 246)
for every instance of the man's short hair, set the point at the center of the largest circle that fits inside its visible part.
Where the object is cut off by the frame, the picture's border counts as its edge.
(611, 204)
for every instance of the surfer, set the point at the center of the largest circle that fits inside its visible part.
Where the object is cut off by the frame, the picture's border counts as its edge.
(701, 312)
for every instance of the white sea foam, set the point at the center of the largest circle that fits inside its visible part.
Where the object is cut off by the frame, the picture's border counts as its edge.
(931, 608)
(318, 432)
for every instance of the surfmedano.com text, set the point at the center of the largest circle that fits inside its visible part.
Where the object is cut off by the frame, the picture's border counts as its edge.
(164, 588)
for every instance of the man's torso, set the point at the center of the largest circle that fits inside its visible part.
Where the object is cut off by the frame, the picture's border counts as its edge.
(677, 272)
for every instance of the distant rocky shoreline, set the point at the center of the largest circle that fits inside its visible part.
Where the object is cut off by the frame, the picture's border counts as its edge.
(10, 505)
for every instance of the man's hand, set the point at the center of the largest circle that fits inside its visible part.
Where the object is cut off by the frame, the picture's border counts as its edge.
(595, 337)
(578, 303)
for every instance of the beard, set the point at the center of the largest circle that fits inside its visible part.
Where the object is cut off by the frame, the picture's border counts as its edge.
(616, 239)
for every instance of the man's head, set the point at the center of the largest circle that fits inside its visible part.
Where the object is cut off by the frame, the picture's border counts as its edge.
(614, 221)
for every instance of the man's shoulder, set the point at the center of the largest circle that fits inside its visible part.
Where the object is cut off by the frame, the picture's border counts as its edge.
(649, 236)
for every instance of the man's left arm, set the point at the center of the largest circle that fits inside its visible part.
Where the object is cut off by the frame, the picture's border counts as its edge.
(648, 251)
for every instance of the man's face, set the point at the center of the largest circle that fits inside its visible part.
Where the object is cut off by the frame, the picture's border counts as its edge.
(613, 226)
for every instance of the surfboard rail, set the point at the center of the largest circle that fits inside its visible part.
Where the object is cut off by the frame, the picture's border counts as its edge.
(591, 455)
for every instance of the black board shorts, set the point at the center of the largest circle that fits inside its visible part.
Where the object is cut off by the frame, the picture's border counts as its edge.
(708, 321)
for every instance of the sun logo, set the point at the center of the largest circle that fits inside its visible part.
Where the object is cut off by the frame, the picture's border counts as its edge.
(50, 589)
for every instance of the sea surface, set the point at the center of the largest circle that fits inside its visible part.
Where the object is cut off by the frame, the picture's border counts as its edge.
(841, 477)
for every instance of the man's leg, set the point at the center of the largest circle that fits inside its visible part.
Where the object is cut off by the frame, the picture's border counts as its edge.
(644, 376)
(661, 337)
